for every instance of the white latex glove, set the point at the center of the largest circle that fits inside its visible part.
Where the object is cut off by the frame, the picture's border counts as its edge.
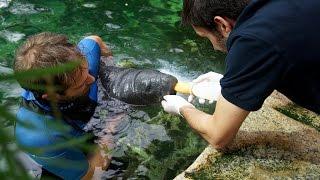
(172, 104)
(206, 87)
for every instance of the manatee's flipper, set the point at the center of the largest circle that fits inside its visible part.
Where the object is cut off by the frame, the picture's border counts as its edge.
(136, 86)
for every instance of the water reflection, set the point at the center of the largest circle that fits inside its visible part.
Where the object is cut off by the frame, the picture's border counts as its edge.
(89, 5)
(11, 36)
(4, 3)
(111, 26)
(25, 8)
(109, 14)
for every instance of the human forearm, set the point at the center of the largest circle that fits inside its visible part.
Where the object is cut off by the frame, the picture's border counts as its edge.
(218, 129)
(203, 124)
(197, 119)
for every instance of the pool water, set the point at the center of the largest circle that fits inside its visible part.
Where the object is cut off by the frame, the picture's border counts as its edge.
(147, 143)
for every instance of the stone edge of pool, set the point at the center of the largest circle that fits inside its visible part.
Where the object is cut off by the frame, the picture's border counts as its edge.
(278, 115)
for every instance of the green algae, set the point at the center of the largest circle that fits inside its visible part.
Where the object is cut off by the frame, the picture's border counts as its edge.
(164, 159)
(126, 63)
(304, 116)
(7, 51)
(170, 158)
(192, 44)
(256, 162)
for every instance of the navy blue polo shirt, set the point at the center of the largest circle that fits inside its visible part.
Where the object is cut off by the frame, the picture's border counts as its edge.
(275, 45)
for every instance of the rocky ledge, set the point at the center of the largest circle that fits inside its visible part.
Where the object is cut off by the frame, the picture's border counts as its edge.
(280, 141)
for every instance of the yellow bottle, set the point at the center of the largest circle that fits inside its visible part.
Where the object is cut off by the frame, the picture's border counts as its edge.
(183, 87)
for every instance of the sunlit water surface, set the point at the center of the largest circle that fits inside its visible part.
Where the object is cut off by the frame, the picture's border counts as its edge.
(146, 142)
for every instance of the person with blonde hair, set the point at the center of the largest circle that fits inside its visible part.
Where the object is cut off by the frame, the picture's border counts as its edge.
(69, 98)
(72, 94)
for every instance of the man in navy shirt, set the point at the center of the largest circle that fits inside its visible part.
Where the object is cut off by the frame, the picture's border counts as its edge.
(270, 45)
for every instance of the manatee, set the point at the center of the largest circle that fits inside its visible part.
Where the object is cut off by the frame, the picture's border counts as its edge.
(136, 86)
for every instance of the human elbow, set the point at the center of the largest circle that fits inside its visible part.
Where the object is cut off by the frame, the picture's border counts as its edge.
(218, 146)
(220, 143)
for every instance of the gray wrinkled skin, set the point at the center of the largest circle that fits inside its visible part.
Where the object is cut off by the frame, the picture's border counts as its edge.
(136, 86)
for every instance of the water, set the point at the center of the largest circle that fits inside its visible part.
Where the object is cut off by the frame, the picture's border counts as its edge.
(147, 142)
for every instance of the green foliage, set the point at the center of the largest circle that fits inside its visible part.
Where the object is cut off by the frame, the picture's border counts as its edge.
(6, 51)
(36, 73)
(192, 44)
(10, 168)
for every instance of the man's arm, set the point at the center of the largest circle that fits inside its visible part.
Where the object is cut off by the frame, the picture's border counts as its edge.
(220, 128)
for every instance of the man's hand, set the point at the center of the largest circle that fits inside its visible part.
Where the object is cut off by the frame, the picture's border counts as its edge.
(173, 103)
(105, 51)
(218, 129)
(206, 87)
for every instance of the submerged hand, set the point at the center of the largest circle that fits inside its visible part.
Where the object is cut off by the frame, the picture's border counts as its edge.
(206, 87)
(173, 103)
(105, 51)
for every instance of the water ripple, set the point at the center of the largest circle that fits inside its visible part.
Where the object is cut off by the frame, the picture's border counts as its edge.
(109, 14)
(89, 5)
(11, 36)
(113, 26)
(4, 3)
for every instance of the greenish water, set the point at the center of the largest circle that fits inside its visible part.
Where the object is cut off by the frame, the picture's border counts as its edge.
(143, 34)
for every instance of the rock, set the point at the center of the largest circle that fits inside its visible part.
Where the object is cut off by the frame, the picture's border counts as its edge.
(269, 145)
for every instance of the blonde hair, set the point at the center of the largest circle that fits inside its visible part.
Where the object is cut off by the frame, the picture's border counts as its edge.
(47, 50)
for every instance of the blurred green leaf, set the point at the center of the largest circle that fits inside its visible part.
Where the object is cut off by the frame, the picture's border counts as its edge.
(40, 73)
